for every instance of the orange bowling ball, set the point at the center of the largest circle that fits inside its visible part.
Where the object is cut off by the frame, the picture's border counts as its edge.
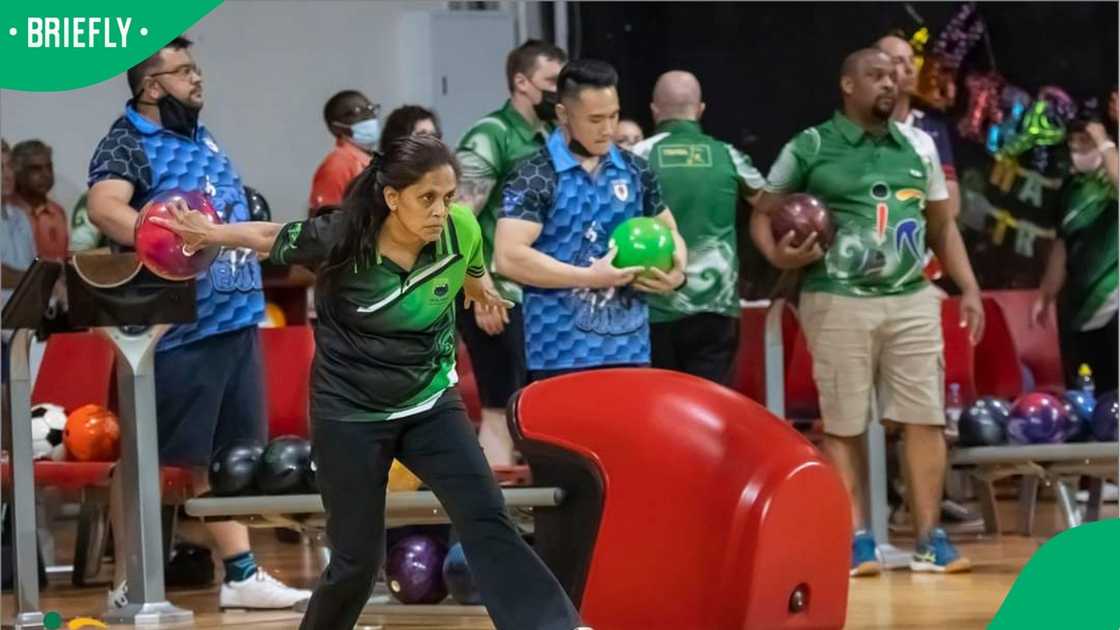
(92, 434)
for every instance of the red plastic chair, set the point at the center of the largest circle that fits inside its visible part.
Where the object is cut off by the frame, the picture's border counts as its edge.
(959, 353)
(749, 378)
(997, 358)
(468, 386)
(287, 352)
(1037, 346)
(687, 505)
(77, 370)
(802, 399)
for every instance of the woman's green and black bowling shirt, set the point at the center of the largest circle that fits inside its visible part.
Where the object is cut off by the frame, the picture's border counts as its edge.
(385, 340)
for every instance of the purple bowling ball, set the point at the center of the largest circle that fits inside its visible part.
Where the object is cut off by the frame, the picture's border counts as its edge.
(1106, 418)
(1038, 419)
(414, 570)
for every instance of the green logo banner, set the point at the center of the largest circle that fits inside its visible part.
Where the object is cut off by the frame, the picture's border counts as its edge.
(55, 45)
(1070, 582)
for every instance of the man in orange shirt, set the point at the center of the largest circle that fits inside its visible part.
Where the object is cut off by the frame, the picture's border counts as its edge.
(352, 120)
(31, 161)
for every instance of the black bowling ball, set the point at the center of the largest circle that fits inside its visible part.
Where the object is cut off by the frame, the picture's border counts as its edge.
(283, 465)
(980, 425)
(234, 468)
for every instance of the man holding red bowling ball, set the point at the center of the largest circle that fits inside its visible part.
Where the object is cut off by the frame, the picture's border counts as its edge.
(209, 387)
(870, 317)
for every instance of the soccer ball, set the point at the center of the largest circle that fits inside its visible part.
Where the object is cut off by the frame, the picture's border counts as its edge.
(47, 425)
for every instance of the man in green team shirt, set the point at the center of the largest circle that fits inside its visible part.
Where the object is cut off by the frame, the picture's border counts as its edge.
(696, 329)
(1083, 260)
(488, 152)
(870, 317)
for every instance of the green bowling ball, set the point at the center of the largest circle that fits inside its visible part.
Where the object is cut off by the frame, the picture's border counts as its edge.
(643, 242)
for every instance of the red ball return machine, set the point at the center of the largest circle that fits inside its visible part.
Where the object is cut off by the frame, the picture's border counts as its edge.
(685, 505)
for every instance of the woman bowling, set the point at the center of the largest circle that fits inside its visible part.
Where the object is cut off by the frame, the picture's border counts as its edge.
(391, 264)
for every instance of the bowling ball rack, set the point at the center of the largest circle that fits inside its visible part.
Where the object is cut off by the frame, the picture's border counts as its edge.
(132, 308)
(1057, 465)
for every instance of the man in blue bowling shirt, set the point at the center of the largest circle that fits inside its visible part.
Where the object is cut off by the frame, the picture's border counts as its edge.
(209, 385)
(559, 208)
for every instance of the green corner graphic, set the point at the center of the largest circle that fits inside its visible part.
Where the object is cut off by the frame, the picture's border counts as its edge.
(1070, 582)
(55, 45)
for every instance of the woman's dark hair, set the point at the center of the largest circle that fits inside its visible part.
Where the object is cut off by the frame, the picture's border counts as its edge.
(403, 120)
(404, 162)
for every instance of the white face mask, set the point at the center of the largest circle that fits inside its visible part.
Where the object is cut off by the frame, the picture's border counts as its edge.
(1087, 161)
(366, 133)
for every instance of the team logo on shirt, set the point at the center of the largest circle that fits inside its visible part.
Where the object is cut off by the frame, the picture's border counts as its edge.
(441, 289)
(906, 194)
(621, 189)
(909, 237)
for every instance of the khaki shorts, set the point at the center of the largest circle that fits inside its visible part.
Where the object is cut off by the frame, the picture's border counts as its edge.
(892, 343)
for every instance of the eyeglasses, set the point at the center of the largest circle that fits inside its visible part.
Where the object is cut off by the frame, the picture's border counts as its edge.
(363, 112)
(181, 72)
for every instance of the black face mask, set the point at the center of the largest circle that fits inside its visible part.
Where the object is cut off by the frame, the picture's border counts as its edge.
(177, 116)
(546, 109)
(577, 148)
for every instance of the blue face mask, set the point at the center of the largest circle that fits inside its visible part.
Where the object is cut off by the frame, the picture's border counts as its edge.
(366, 133)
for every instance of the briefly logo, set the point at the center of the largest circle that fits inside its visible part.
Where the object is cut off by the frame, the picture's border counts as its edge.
(53, 621)
(77, 32)
(621, 189)
(441, 289)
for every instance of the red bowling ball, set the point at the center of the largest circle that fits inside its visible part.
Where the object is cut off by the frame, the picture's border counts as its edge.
(803, 214)
(161, 250)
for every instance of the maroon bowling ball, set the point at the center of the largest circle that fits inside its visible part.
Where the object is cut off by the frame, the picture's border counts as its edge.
(1038, 418)
(803, 214)
(161, 250)
(414, 570)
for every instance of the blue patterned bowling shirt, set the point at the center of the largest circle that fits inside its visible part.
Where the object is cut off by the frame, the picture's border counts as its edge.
(155, 160)
(578, 211)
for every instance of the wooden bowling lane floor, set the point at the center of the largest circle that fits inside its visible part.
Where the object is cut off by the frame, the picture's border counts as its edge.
(896, 600)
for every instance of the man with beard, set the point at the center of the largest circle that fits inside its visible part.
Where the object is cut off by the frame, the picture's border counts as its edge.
(871, 318)
(488, 153)
(158, 145)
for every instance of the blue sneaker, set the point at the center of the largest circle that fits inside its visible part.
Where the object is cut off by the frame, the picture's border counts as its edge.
(936, 554)
(865, 554)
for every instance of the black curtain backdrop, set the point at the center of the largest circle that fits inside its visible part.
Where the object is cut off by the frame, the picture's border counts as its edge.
(769, 70)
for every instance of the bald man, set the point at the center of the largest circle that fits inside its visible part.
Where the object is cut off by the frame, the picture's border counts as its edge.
(705, 181)
(871, 319)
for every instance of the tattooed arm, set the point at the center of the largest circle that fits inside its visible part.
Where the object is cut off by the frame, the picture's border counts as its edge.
(478, 180)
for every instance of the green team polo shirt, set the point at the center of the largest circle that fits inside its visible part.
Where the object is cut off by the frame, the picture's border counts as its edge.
(876, 188)
(701, 180)
(385, 340)
(1089, 229)
(489, 150)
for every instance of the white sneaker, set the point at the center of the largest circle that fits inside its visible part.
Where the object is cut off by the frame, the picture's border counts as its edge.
(117, 598)
(1109, 494)
(260, 591)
